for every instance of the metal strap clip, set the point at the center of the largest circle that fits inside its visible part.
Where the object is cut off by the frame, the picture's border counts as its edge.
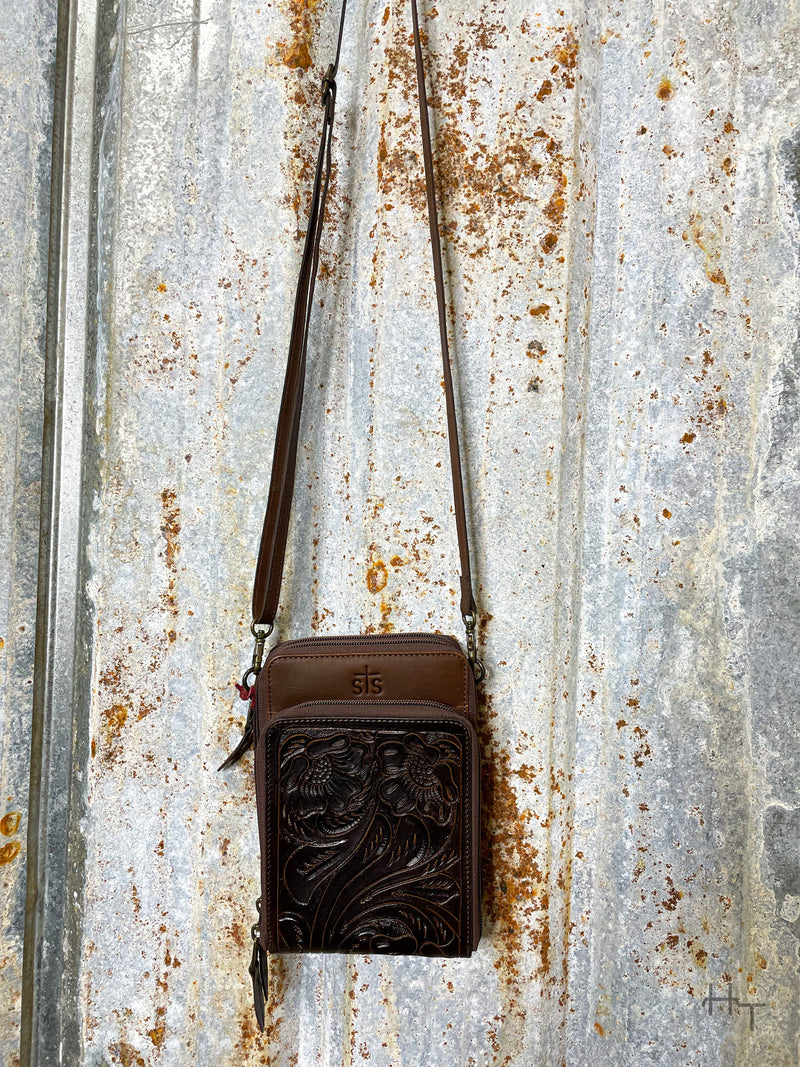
(471, 623)
(261, 636)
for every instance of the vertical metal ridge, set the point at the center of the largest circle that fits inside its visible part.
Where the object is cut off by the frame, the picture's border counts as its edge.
(50, 809)
(65, 31)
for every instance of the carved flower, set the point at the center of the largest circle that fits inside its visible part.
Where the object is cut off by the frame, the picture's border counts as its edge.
(326, 775)
(418, 777)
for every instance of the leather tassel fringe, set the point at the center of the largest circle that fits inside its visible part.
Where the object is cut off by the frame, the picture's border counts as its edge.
(247, 736)
(259, 972)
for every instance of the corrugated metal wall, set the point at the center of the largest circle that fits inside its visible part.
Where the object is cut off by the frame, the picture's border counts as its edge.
(27, 47)
(620, 192)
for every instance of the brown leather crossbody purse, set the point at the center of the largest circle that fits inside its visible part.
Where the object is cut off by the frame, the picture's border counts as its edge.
(366, 753)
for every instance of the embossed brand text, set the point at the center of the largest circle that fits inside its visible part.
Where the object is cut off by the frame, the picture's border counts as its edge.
(367, 683)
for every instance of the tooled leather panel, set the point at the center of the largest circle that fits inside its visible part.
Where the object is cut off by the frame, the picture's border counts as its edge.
(371, 853)
(439, 676)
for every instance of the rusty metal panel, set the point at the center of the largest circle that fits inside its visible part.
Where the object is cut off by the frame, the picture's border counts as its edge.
(620, 191)
(27, 33)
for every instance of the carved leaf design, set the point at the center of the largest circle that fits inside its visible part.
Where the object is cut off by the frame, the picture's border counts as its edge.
(439, 889)
(368, 841)
(293, 930)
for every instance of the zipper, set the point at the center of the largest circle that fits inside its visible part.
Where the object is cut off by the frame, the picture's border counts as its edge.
(401, 639)
(361, 703)
(364, 708)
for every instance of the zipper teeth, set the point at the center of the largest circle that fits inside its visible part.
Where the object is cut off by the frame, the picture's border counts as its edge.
(386, 702)
(405, 639)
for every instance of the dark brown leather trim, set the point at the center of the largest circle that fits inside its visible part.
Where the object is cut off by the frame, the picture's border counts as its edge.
(341, 720)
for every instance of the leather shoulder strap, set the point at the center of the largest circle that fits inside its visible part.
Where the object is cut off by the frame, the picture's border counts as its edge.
(269, 569)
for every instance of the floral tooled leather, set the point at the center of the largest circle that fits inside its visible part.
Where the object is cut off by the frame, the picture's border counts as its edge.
(368, 852)
(419, 777)
(325, 775)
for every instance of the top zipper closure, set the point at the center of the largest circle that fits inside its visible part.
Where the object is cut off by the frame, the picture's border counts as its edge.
(407, 638)
(366, 706)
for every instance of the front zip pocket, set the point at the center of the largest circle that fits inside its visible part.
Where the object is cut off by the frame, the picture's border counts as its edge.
(369, 825)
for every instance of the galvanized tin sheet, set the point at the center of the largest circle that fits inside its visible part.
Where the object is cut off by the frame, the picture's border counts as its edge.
(27, 35)
(619, 193)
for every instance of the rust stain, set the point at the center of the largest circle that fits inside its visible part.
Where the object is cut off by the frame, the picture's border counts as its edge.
(112, 719)
(386, 625)
(126, 1054)
(278, 985)
(298, 55)
(556, 206)
(670, 902)
(713, 406)
(170, 526)
(515, 887)
(170, 531)
(9, 824)
(295, 55)
(9, 852)
(699, 953)
(489, 186)
(665, 90)
(237, 933)
(565, 53)
(377, 576)
(541, 309)
(643, 751)
(709, 238)
(119, 698)
(672, 949)
(158, 1034)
